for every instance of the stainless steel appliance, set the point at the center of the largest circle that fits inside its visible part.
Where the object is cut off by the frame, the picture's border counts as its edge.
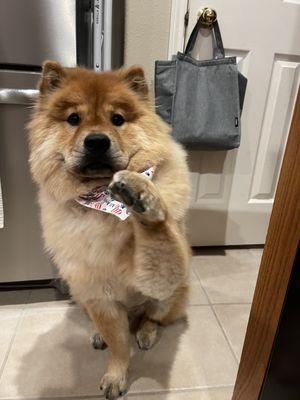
(84, 32)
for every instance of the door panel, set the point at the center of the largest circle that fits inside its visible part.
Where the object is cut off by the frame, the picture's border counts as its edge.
(279, 106)
(233, 191)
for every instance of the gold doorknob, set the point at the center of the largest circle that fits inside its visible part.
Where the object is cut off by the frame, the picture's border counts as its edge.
(207, 16)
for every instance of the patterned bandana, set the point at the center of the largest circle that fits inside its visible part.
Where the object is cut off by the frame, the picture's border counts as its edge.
(100, 199)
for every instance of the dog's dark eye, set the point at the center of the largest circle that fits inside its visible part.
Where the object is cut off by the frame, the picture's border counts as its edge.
(73, 119)
(117, 119)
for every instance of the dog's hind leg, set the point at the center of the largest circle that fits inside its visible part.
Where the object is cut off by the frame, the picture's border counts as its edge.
(146, 334)
(112, 322)
(161, 313)
(172, 309)
(97, 339)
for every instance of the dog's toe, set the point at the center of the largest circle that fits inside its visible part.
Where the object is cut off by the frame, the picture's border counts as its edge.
(112, 392)
(98, 343)
(112, 387)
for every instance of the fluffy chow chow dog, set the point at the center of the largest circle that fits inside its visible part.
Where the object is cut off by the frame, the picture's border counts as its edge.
(99, 129)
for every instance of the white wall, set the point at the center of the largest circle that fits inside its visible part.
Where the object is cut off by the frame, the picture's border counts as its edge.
(147, 25)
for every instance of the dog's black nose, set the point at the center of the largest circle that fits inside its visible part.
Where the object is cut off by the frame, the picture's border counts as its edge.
(97, 143)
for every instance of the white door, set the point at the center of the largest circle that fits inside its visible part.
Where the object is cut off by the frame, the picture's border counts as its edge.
(233, 191)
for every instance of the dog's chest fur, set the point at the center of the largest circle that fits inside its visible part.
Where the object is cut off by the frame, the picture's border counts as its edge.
(93, 250)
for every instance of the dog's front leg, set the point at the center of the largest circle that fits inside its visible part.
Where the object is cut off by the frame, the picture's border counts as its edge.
(161, 251)
(112, 322)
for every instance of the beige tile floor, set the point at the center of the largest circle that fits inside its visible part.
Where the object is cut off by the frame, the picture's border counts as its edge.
(45, 351)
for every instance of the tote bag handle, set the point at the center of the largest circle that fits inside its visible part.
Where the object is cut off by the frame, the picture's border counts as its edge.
(218, 49)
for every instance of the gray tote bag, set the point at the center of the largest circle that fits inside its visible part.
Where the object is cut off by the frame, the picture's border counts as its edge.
(201, 100)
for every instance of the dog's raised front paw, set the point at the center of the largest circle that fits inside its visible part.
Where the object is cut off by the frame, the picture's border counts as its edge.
(138, 193)
(113, 387)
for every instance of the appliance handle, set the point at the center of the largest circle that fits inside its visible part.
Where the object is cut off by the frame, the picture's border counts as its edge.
(18, 96)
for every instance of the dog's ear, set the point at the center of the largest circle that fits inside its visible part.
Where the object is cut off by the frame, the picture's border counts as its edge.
(52, 75)
(135, 78)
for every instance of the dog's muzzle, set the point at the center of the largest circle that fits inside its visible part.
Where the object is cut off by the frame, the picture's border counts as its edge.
(96, 160)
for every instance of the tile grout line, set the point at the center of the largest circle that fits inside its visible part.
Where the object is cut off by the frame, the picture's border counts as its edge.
(57, 307)
(181, 390)
(62, 397)
(218, 321)
(199, 280)
(22, 311)
(222, 329)
(216, 316)
(202, 287)
(220, 304)
(128, 395)
(225, 335)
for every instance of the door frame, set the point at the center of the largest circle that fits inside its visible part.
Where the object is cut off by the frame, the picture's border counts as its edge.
(177, 27)
(276, 267)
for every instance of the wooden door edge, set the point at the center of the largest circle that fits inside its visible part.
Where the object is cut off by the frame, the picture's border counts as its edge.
(275, 271)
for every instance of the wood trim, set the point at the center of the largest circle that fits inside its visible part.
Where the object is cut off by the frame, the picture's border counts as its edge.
(276, 266)
(177, 28)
